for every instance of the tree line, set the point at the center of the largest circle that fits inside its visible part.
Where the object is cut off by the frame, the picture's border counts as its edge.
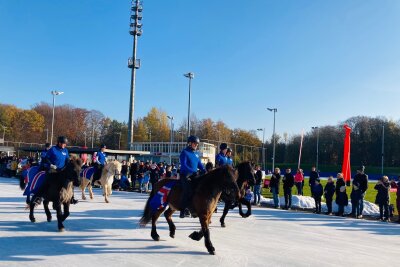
(91, 128)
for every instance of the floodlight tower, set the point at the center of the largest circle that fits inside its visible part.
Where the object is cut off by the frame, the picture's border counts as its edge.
(133, 62)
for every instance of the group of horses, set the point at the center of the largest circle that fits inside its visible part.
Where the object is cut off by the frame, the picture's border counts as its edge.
(224, 183)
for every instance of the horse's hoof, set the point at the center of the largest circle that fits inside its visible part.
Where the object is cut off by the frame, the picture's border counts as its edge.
(49, 219)
(32, 219)
(211, 252)
(223, 225)
(172, 235)
(62, 229)
(156, 237)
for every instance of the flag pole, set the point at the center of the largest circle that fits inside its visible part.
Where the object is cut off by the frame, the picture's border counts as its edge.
(301, 147)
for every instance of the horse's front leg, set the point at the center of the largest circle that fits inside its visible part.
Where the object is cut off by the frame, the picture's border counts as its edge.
(31, 211)
(57, 207)
(204, 228)
(66, 211)
(224, 213)
(83, 188)
(90, 189)
(46, 210)
(105, 193)
(168, 216)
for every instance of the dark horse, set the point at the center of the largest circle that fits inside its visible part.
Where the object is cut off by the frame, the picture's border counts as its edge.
(60, 190)
(208, 189)
(245, 178)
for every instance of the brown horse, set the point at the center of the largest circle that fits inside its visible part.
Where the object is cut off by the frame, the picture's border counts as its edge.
(206, 192)
(246, 178)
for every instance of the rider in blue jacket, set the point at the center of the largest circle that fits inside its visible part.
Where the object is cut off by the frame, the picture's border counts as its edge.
(55, 160)
(221, 159)
(101, 160)
(190, 163)
(43, 164)
(229, 160)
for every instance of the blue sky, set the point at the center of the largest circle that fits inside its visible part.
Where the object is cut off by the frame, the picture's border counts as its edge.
(318, 62)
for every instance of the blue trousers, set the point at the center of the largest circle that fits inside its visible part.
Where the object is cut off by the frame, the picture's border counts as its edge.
(275, 195)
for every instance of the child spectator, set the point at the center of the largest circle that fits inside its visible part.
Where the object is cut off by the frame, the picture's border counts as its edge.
(329, 191)
(317, 191)
(341, 195)
(248, 195)
(288, 182)
(382, 198)
(298, 181)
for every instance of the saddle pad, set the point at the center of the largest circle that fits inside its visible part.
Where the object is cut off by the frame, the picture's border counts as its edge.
(87, 172)
(159, 200)
(36, 179)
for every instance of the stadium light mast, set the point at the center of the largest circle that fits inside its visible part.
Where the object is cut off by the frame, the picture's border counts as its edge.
(54, 93)
(273, 137)
(190, 76)
(134, 63)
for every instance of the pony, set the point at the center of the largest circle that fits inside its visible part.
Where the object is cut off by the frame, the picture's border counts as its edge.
(207, 189)
(245, 178)
(111, 169)
(60, 190)
(86, 177)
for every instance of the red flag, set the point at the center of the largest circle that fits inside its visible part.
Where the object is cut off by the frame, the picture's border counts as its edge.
(346, 170)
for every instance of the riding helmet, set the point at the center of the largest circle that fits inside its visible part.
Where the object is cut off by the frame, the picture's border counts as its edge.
(62, 140)
(103, 146)
(193, 139)
(47, 145)
(223, 146)
(228, 150)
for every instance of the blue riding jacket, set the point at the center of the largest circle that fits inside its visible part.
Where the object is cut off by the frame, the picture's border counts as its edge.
(101, 157)
(57, 156)
(229, 161)
(221, 159)
(190, 162)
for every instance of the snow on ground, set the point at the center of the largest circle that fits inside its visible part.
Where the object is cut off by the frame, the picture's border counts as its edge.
(305, 202)
(100, 234)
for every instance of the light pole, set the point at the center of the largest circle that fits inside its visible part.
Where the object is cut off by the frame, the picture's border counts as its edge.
(263, 152)
(119, 140)
(133, 62)
(171, 118)
(273, 137)
(54, 93)
(84, 133)
(383, 146)
(4, 132)
(190, 76)
(317, 128)
(47, 134)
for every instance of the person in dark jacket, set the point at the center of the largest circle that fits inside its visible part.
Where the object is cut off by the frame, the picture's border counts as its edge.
(329, 191)
(398, 198)
(134, 173)
(257, 186)
(317, 191)
(382, 198)
(274, 186)
(288, 183)
(154, 175)
(341, 195)
(360, 186)
(313, 176)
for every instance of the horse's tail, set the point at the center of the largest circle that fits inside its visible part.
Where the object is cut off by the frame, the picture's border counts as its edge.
(22, 183)
(147, 213)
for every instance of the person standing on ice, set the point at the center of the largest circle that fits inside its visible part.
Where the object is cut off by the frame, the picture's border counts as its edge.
(313, 176)
(190, 164)
(274, 186)
(329, 191)
(299, 181)
(360, 186)
(288, 183)
(317, 192)
(341, 195)
(257, 186)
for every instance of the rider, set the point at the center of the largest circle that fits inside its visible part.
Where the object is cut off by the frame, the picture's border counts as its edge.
(43, 157)
(221, 159)
(55, 160)
(101, 158)
(190, 163)
(229, 160)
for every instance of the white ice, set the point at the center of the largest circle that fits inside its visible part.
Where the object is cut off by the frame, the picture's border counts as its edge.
(100, 234)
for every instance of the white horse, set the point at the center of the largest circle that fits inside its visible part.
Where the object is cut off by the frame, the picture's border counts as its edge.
(87, 175)
(111, 169)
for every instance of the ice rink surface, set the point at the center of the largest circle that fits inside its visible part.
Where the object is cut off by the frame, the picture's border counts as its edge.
(100, 234)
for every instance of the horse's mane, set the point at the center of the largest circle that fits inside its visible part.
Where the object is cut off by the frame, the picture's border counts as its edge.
(214, 177)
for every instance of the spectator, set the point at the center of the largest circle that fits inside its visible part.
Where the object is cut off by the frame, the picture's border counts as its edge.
(134, 173)
(274, 186)
(313, 176)
(317, 192)
(360, 186)
(124, 169)
(288, 183)
(329, 191)
(398, 198)
(341, 195)
(382, 198)
(257, 186)
(168, 171)
(154, 175)
(299, 181)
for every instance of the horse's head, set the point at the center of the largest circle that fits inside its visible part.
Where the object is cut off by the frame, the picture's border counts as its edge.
(246, 174)
(115, 167)
(73, 170)
(230, 190)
